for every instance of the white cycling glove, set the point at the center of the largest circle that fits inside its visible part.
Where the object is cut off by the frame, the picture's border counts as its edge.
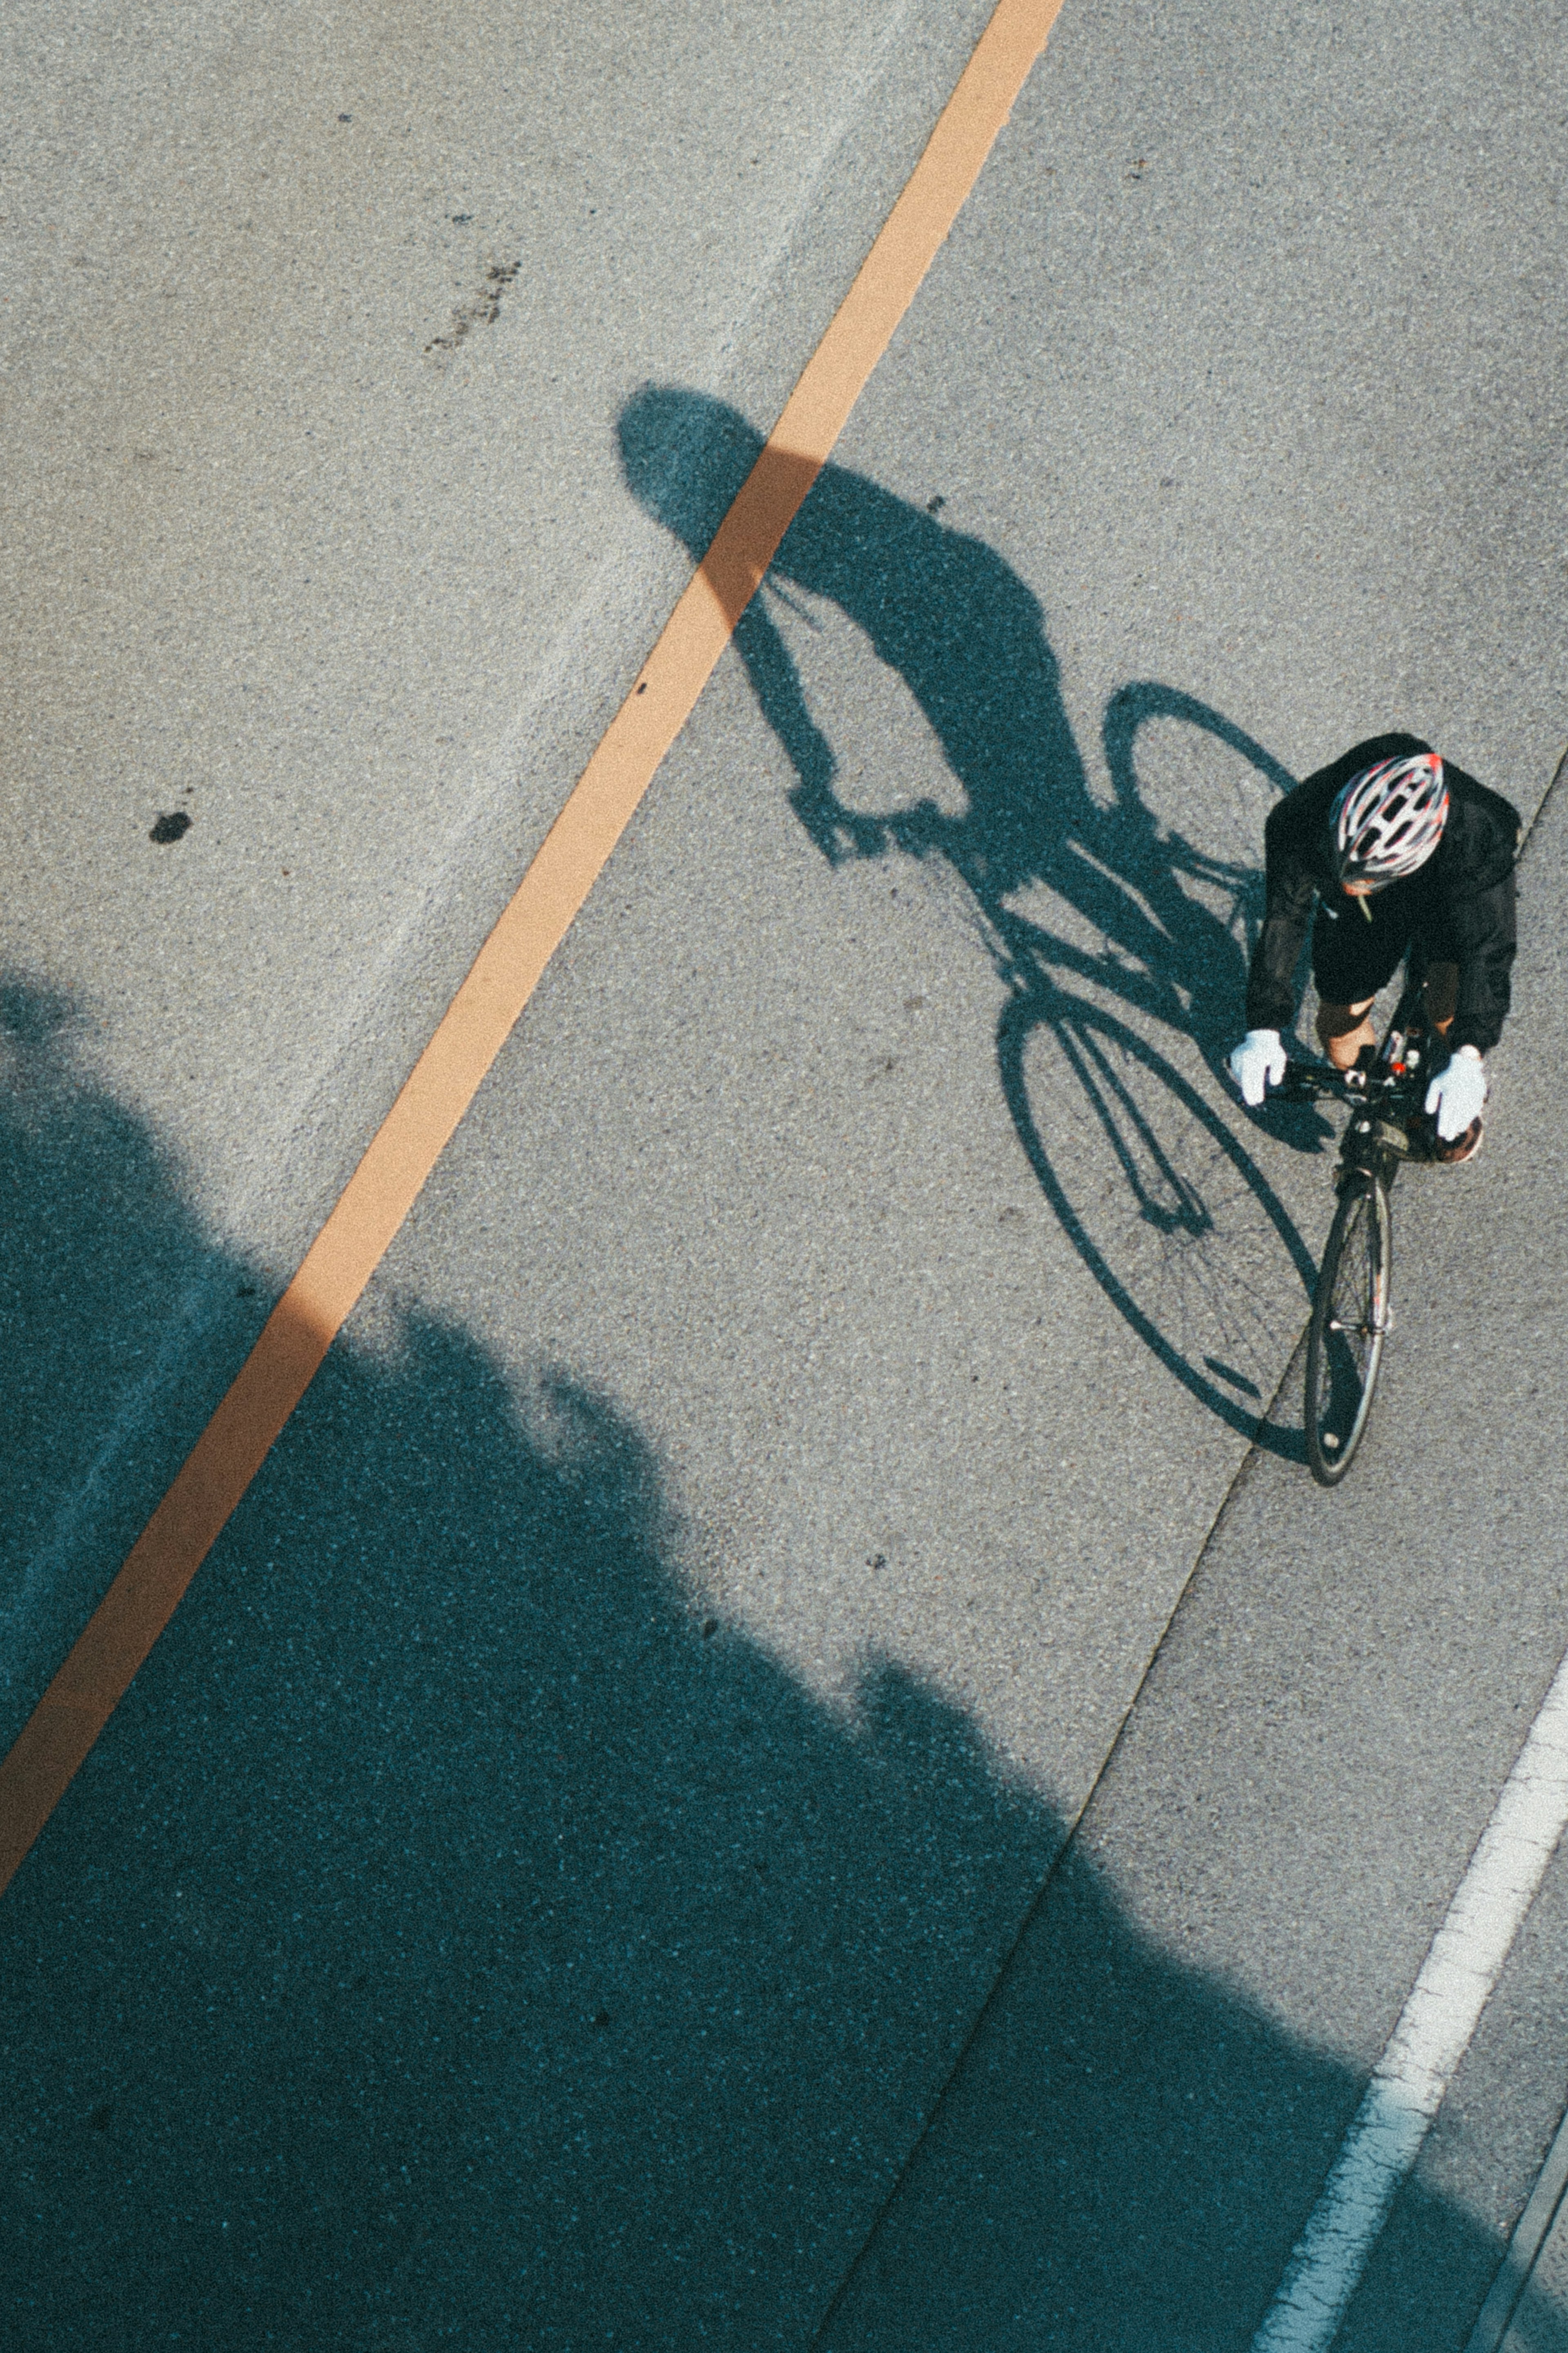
(1458, 1094)
(1257, 1063)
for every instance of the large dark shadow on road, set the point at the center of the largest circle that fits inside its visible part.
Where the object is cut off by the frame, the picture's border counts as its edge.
(459, 1935)
(86, 1300)
(76, 1300)
(1099, 920)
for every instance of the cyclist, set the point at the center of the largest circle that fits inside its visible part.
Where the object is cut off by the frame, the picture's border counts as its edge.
(1401, 850)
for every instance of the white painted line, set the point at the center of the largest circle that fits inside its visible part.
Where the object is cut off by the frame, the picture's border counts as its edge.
(1431, 2038)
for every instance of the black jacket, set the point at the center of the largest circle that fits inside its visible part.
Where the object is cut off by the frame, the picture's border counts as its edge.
(1460, 900)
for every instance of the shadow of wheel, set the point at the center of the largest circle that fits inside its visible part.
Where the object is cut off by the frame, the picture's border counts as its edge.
(1165, 1206)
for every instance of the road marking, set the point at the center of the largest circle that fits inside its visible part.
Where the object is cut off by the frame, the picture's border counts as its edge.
(383, 1189)
(1434, 2031)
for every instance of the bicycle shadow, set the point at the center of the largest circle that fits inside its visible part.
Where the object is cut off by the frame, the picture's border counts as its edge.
(1096, 919)
(459, 1935)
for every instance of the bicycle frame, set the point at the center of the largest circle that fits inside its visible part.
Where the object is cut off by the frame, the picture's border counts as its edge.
(1385, 1093)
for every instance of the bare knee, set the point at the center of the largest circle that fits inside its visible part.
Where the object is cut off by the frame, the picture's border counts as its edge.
(1343, 1031)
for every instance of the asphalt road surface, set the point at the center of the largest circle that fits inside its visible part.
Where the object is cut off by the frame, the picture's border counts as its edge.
(784, 1752)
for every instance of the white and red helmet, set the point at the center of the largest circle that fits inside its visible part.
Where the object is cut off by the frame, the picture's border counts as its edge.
(1388, 820)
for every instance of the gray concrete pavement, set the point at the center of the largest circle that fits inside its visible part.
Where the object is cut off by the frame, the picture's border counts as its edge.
(1148, 2109)
(358, 604)
(541, 1885)
(1545, 2321)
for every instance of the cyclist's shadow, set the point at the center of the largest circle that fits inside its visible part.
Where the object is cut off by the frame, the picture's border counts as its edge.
(1146, 923)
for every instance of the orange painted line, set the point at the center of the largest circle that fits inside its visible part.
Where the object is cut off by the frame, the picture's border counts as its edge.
(230, 1451)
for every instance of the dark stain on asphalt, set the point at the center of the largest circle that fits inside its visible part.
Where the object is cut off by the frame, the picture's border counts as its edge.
(100, 2116)
(172, 825)
(482, 310)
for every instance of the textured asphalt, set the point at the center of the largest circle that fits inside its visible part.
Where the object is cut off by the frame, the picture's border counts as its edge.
(1141, 2125)
(543, 1883)
(1548, 2281)
(359, 604)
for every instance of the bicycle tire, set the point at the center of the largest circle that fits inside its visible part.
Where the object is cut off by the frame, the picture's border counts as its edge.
(1348, 1326)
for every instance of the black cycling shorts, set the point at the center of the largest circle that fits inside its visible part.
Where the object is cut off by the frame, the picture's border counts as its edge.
(1351, 959)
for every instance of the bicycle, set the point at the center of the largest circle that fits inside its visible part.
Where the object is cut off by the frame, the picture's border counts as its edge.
(1352, 1313)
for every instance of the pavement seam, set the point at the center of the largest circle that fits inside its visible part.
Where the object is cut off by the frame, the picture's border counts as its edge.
(1434, 2031)
(1067, 1844)
(1544, 2202)
(1069, 1841)
(1558, 774)
(1531, 2233)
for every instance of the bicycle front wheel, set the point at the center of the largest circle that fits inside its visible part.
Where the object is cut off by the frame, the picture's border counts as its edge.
(1349, 1324)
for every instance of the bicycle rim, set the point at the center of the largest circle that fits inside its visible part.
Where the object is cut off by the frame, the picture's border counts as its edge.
(1350, 1323)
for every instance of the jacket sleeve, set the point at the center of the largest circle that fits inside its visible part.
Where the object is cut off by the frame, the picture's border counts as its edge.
(1289, 892)
(1484, 932)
